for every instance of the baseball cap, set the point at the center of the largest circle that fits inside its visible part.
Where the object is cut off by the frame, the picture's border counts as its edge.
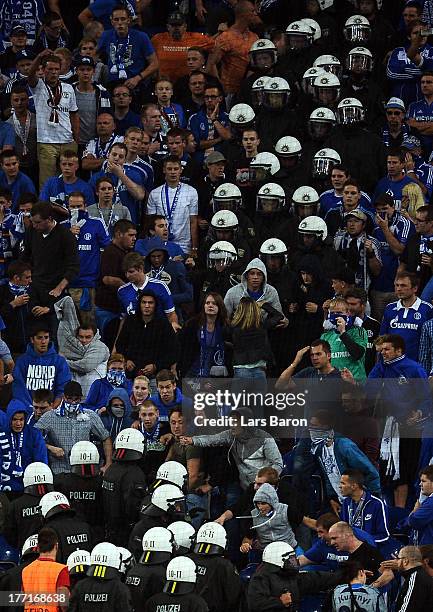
(17, 28)
(176, 19)
(24, 55)
(84, 60)
(358, 214)
(410, 142)
(214, 158)
(395, 103)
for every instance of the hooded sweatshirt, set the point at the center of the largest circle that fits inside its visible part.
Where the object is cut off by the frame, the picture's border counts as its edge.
(115, 424)
(33, 371)
(18, 450)
(172, 273)
(267, 292)
(100, 391)
(274, 526)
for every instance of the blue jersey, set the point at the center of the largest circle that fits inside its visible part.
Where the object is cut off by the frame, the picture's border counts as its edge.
(22, 184)
(91, 239)
(28, 14)
(401, 228)
(368, 514)
(405, 75)
(325, 554)
(424, 173)
(392, 188)
(422, 111)
(130, 52)
(407, 323)
(329, 200)
(56, 189)
(171, 116)
(101, 10)
(7, 135)
(128, 296)
(203, 129)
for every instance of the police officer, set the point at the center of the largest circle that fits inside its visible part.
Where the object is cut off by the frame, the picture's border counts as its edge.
(228, 196)
(170, 472)
(167, 504)
(24, 515)
(147, 577)
(82, 486)
(179, 589)
(184, 535)
(102, 588)
(72, 532)
(293, 171)
(219, 276)
(11, 580)
(124, 485)
(278, 579)
(271, 218)
(127, 561)
(217, 579)
(305, 203)
(224, 225)
(78, 563)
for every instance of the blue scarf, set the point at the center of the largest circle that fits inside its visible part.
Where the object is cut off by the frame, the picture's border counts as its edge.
(11, 460)
(211, 354)
(18, 289)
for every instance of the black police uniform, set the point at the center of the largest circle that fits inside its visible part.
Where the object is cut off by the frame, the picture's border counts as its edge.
(217, 581)
(123, 487)
(161, 519)
(164, 602)
(85, 497)
(23, 520)
(72, 533)
(95, 594)
(12, 579)
(144, 580)
(270, 582)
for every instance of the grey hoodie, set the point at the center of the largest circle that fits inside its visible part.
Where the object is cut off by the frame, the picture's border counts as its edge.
(252, 450)
(276, 526)
(269, 293)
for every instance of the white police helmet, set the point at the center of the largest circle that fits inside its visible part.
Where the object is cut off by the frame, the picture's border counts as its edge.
(350, 111)
(357, 29)
(53, 503)
(329, 63)
(359, 59)
(299, 35)
(129, 445)
(105, 561)
(227, 196)
(172, 472)
(273, 247)
(211, 539)
(306, 196)
(323, 162)
(257, 90)
(315, 27)
(241, 115)
(324, 4)
(158, 546)
(327, 88)
(84, 459)
(313, 226)
(308, 78)
(165, 498)
(288, 146)
(181, 576)
(262, 54)
(223, 252)
(38, 479)
(271, 198)
(276, 93)
(264, 165)
(30, 546)
(321, 122)
(280, 554)
(183, 534)
(78, 562)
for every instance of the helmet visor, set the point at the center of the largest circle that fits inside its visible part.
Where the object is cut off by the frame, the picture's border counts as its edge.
(307, 85)
(226, 204)
(336, 69)
(357, 33)
(322, 166)
(299, 40)
(263, 59)
(260, 172)
(220, 260)
(319, 130)
(267, 205)
(348, 115)
(327, 95)
(256, 97)
(359, 63)
(275, 99)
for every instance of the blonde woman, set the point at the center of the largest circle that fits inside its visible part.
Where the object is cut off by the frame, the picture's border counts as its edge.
(412, 199)
(251, 348)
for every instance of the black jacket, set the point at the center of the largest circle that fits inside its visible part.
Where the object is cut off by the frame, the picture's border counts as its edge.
(72, 533)
(217, 582)
(16, 320)
(189, 602)
(23, 520)
(85, 497)
(97, 595)
(416, 592)
(143, 581)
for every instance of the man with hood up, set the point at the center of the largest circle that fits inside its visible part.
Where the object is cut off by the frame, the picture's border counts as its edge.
(101, 388)
(118, 414)
(41, 367)
(20, 445)
(159, 266)
(270, 520)
(254, 285)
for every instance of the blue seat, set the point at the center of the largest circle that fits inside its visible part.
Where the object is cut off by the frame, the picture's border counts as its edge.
(312, 603)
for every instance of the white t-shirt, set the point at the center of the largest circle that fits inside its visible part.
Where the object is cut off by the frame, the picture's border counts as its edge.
(60, 133)
(179, 219)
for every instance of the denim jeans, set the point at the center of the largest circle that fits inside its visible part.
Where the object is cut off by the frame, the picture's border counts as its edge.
(251, 381)
(200, 502)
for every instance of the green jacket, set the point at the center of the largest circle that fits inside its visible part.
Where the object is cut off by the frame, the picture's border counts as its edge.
(348, 350)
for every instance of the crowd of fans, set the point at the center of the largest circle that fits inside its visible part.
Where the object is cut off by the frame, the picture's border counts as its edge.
(206, 195)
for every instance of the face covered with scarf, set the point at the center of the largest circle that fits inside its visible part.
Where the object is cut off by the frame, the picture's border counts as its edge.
(72, 404)
(117, 407)
(320, 433)
(116, 374)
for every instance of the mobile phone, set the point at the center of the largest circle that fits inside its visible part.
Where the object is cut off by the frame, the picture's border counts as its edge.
(427, 32)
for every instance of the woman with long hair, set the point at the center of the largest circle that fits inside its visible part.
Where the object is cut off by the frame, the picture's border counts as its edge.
(203, 351)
